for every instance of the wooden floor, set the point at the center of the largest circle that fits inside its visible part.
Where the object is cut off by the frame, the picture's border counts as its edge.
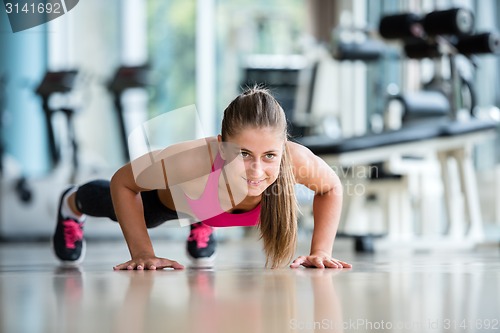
(392, 291)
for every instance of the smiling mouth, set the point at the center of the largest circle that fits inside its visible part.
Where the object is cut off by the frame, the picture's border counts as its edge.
(253, 182)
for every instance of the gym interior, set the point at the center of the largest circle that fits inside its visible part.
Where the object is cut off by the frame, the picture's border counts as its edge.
(400, 97)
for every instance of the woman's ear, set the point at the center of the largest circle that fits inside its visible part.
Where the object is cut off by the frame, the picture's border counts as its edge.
(221, 147)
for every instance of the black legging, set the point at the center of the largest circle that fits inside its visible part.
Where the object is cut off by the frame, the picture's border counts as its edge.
(94, 199)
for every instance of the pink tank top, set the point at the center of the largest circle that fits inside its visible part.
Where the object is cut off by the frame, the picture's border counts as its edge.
(207, 207)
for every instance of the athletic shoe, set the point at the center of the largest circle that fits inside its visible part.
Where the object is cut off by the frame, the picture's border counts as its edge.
(201, 245)
(68, 242)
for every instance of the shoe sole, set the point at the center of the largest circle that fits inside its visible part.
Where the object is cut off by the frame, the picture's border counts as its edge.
(71, 263)
(206, 262)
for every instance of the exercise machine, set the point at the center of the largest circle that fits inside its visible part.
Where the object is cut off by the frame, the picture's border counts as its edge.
(431, 125)
(28, 203)
(61, 82)
(126, 77)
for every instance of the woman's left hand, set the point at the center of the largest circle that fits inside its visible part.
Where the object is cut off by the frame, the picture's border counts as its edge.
(319, 261)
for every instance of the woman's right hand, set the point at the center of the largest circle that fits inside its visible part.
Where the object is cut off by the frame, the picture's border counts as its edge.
(149, 263)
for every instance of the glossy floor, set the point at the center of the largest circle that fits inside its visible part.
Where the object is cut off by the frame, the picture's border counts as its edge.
(391, 291)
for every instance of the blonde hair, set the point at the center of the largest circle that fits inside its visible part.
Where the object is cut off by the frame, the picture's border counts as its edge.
(257, 108)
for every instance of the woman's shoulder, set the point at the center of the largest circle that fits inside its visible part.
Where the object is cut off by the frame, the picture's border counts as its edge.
(188, 149)
(189, 160)
(306, 165)
(178, 163)
(299, 154)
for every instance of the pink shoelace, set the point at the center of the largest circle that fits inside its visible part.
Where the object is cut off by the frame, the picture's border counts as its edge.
(201, 234)
(72, 233)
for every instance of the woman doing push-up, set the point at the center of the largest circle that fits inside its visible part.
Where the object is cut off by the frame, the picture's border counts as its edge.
(243, 177)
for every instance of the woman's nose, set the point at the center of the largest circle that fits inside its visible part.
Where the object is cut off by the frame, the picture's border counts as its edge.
(255, 169)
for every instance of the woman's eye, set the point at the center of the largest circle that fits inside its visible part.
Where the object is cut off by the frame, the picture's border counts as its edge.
(270, 156)
(244, 154)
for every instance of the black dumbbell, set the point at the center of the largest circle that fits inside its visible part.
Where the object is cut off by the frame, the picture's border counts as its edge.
(488, 42)
(456, 21)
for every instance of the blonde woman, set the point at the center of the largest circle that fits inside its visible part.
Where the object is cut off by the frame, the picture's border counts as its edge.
(243, 177)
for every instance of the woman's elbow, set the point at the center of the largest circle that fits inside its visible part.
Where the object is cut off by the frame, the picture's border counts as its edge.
(338, 188)
(120, 177)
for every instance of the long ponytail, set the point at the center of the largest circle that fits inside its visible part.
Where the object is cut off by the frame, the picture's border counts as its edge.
(278, 218)
(257, 108)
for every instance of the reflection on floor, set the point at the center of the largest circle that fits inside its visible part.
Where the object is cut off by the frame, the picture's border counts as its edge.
(391, 291)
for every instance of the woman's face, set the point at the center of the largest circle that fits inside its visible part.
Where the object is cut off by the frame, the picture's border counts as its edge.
(253, 158)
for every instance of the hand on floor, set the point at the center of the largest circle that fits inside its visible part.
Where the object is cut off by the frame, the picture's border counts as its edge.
(149, 263)
(319, 261)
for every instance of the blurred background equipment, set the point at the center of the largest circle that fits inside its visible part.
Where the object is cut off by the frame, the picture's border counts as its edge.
(428, 117)
(23, 197)
(58, 83)
(127, 77)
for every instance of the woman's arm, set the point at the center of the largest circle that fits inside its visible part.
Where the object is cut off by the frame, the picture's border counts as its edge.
(179, 163)
(314, 173)
(129, 211)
